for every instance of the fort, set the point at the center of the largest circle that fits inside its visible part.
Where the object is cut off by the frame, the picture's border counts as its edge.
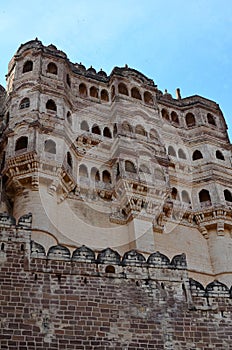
(116, 221)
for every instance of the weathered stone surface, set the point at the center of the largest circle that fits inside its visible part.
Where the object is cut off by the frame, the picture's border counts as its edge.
(111, 161)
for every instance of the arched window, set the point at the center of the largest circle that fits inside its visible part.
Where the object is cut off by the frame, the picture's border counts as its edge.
(197, 155)
(51, 105)
(171, 151)
(68, 81)
(96, 129)
(130, 167)
(28, 66)
(110, 269)
(181, 154)
(69, 118)
(21, 143)
(135, 93)
(50, 146)
(107, 132)
(83, 171)
(83, 90)
(204, 198)
(106, 177)
(165, 114)
(211, 119)
(115, 131)
(144, 169)
(69, 160)
(139, 129)
(94, 174)
(185, 197)
(52, 68)
(174, 117)
(112, 92)
(228, 195)
(25, 103)
(190, 120)
(174, 193)
(148, 98)
(7, 117)
(104, 96)
(126, 127)
(122, 89)
(94, 92)
(153, 134)
(84, 125)
(219, 155)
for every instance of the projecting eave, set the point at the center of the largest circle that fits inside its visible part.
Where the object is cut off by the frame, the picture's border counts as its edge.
(131, 73)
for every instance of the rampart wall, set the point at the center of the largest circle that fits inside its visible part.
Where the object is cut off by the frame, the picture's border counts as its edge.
(52, 300)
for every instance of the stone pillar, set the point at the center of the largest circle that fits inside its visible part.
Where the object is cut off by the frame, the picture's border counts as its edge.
(220, 248)
(141, 234)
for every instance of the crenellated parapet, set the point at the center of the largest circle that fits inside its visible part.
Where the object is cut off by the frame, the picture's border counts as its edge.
(84, 261)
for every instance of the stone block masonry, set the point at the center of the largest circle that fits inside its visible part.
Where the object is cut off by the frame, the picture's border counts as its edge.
(103, 301)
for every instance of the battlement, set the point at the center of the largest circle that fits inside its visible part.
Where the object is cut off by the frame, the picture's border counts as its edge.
(107, 263)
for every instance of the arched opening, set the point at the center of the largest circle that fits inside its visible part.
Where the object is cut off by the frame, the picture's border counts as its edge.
(68, 80)
(190, 120)
(51, 105)
(25, 103)
(112, 92)
(104, 96)
(50, 146)
(135, 93)
(204, 197)
(84, 125)
(197, 155)
(69, 160)
(7, 117)
(153, 134)
(139, 129)
(171, 151)
(174, 117)
(96, 129)
(185, 197)
(107, 132)
(211, 119)
(94, 174)
(219, 155)
(122, 89)
(148, 98)
(83, 90)
(83, 171)
(129, 166)
(115, 130)
(94, 92)
(28, 66)
(106, 177)
(228, 195)
(174, 193)
(21, 143)
(110, 269)
(165, 114)
(181, 154)
(126, 127)
(52, 68)
(69, 118)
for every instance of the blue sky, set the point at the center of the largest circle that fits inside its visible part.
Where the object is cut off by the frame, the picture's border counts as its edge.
(178, 43)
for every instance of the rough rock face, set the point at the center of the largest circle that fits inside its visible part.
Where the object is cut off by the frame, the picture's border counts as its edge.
(115, 210)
